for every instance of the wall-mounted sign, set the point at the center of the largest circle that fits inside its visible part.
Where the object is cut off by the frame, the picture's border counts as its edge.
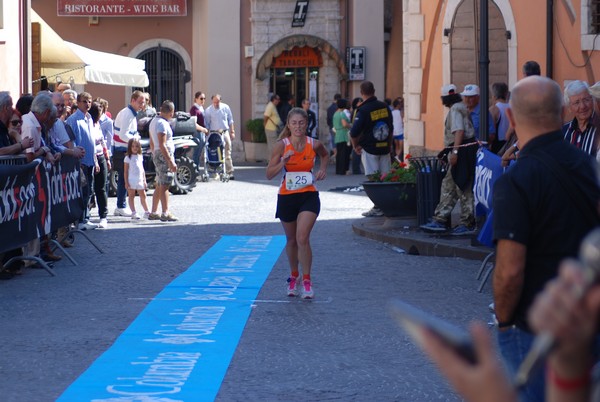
(356, 64)
(122, 8)
(298, 57)
(299, 13)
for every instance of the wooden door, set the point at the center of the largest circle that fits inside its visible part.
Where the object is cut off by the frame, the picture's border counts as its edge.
(464, 45)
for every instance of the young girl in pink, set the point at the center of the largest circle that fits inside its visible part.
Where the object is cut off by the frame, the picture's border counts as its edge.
(135, 177)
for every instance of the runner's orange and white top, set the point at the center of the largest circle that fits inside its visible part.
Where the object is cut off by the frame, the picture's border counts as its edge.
(298, 177)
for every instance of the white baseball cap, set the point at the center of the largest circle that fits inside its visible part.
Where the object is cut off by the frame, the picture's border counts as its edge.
(448, 89)
(470, 90)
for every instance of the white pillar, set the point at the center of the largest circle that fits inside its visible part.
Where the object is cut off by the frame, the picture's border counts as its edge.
(216, 55)
(367, 31)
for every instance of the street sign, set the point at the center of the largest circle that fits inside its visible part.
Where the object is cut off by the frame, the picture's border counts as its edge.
(299, 13)
(356, 64)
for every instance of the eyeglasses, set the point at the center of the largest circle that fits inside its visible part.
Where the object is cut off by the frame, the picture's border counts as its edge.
(16, 122)
(585, 101)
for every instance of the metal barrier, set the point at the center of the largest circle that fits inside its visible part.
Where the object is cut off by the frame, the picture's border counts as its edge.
(13, 160)
(430, 173)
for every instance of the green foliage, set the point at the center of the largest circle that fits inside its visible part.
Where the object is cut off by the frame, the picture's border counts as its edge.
(256, 128)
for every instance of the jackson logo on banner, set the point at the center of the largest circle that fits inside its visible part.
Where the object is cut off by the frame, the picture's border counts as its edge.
(37, 199)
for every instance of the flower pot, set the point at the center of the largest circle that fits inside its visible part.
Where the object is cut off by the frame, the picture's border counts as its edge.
(394, 199)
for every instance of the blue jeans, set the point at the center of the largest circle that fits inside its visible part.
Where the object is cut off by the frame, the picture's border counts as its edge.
(200, 139)
(86, 190)
(356, 163)
(119, 166)
(514, 345)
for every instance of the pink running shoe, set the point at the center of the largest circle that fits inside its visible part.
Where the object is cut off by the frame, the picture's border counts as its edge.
(292, 286)
(307, 290)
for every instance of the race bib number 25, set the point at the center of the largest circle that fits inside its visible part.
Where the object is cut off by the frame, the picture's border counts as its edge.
(298, 180)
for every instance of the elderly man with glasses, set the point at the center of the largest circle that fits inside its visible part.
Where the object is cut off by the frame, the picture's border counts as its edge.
(582, 131)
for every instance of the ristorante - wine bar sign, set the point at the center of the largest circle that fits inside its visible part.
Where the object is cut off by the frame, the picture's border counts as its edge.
(122, 8)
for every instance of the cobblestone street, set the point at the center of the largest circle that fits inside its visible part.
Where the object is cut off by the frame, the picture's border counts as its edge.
(343, 345)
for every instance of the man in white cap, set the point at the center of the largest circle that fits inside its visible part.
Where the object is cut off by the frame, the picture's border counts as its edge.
(458, 181)
(471, 98)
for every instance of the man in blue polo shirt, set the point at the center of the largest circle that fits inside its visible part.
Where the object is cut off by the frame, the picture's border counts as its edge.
(81, 125)
(471, 98)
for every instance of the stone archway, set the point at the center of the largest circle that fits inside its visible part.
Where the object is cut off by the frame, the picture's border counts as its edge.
(505, 9)
(288, 43)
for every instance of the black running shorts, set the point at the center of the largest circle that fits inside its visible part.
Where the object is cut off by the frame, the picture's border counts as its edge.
(290, 205)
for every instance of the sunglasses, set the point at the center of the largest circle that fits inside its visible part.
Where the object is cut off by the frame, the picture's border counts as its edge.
(202, 98)
(16, 122)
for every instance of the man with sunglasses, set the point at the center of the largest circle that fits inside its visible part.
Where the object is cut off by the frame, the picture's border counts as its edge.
(57, 132)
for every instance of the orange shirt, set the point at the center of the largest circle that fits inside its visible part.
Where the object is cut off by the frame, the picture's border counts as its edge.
(299, 162)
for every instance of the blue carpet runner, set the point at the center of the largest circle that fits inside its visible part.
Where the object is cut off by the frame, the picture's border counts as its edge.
(180, 346)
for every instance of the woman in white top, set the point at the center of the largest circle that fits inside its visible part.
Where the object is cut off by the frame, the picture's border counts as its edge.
(398, 106)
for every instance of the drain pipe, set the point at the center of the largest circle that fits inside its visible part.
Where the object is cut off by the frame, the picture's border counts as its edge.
(25, 43)
(484, 64)
(549, 38)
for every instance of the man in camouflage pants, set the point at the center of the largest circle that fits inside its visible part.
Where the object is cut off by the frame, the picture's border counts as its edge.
(458, 182)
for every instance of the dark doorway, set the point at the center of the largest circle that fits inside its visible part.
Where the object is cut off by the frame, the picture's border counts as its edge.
(167, 76)
(293, 83)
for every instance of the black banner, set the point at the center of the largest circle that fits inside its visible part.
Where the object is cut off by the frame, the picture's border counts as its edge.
(37, 199)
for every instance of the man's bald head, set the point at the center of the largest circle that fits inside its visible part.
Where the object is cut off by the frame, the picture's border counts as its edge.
(536, 102)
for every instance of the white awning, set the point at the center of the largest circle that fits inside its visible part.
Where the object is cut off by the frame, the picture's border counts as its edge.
(66, 59)
(111, 69)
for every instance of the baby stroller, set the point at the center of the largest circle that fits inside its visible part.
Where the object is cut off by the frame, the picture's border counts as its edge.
(214, 156)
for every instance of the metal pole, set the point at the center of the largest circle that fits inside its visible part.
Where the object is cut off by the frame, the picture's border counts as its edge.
(549, 37)
(484, 63)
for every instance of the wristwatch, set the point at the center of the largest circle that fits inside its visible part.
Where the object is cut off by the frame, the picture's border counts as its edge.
(455, 151)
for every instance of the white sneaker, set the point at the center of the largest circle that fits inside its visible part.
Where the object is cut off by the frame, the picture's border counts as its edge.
(122, 212)
(147, 215)
(86, 226)
(103, 223)
(135, 216)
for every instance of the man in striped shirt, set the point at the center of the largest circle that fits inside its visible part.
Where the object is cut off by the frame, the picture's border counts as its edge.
(125, 127)
(582, 131)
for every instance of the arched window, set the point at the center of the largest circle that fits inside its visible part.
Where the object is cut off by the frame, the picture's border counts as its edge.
(167, 75)
(590, 23)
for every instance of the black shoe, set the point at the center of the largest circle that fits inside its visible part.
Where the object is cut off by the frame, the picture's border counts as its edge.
(5, 274)
(50, 257)
(231, 177)
(16, 268)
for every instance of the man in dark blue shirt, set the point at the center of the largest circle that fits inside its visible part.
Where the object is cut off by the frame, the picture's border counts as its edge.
(371, 135)
(543, 208)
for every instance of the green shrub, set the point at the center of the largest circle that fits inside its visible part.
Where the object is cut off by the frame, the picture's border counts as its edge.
(256, 128)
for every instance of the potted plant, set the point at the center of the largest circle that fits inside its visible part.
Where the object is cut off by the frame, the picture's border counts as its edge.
(256, 149)
(256, 128)
(394, 192)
